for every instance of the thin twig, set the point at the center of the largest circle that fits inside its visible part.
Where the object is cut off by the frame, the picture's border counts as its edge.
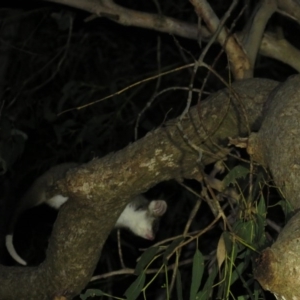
(127, 88)
(120, 249)
(155, 92)
(129, 271)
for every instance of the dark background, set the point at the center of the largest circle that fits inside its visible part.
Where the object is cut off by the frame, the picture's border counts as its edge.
(52, 61)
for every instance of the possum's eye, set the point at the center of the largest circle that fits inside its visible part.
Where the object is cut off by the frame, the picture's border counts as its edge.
(141, 207)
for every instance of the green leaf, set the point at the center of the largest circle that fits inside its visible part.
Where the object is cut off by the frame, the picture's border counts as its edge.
(261, 207)
(237, 172)
(197, 272)
(207, 289)
(245, 230)
(287, 208)
(136, 287)
(252, 232)
(179, 286)
(260, 238)
(92, 293)
(258, 182)
(237, 272)
(145, 259)
(171, 248)
(257, 290)
(228, 241)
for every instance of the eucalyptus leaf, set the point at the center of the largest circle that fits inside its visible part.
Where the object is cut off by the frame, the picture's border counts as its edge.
(207, 289)
(237, 272)
(287, 208)
(171, 248)
(261, 207)
(91, 293)
(145, 259)
(246, 230)
(197, 273)
(221, 252)
(235, 173)
(136, 287)
(179, 286)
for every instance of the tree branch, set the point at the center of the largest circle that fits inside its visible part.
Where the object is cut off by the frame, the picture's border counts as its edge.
(281, 50)
(238, 60)
(129, 17)
(290, 8)
(256, 27)
(99, 190)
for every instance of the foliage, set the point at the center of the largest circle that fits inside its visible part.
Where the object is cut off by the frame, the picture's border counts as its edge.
(222, 274)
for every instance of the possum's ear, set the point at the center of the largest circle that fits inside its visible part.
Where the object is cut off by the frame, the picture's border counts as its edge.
(158, 207)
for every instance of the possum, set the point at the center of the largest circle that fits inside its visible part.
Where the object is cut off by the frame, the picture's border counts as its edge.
(140, 216)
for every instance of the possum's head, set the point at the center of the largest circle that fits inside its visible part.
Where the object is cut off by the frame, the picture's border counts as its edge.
(142, 217)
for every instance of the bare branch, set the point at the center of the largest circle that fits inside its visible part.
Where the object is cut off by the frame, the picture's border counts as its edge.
(129, 17)
(126, 271)
(256, 27)
(290, 8)
(238, 60)
(235, 54)
(281, 50)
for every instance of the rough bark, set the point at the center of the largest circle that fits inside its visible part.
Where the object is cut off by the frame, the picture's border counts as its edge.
(278, 267)
(99, 190)
(278, 145)
(278, 139)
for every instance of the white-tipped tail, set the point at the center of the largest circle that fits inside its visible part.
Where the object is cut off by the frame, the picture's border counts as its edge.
(12, 251)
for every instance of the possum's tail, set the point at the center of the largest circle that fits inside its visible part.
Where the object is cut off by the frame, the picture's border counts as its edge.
(12, 251)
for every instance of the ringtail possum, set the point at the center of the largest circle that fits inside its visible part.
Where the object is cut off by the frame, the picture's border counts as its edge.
(139, 216)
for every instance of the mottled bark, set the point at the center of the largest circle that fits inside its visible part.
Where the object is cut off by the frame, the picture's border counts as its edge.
(278, 140)
(99, 190)
(278, 267)
(278, 147)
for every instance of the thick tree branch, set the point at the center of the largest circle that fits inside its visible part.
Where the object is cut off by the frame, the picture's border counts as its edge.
(278, 143)
(278, 266)
(278, 140)
(99, 190)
